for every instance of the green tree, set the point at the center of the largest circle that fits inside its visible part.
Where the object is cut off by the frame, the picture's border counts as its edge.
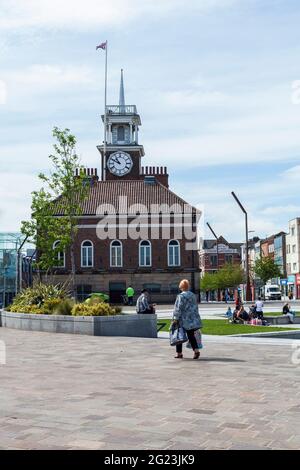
(266, 268)
(209, 282)
(55, 210)
(230, 275)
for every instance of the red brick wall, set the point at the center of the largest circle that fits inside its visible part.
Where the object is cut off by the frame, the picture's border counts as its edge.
(130, 253)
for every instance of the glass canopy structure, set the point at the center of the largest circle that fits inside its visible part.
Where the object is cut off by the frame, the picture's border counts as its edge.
(15, 265)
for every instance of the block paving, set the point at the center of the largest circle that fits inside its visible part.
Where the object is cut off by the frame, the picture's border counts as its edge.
(80, 392)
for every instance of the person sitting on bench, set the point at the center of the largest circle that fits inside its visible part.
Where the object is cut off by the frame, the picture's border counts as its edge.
(142, 304)
(288, 312)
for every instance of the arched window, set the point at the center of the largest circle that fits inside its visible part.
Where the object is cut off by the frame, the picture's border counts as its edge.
(87, 254)
(59, 256)
(116, 254)
(121, 134)
(173, 253)
(145, 253)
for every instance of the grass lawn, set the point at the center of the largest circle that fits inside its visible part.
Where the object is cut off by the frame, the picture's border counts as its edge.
(222, 327)
(272, 314)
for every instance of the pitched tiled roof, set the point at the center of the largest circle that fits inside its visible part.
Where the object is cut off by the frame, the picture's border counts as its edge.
(211, 243)
(138, 193)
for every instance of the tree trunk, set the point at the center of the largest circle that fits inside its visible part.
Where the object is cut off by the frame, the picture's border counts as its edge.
(73, 267)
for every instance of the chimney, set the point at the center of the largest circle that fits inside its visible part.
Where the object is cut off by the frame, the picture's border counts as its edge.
(89, 174)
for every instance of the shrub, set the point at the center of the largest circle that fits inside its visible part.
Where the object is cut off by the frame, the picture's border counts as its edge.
(64, 307)
(27, 309)
(95, 310)
(41, 298)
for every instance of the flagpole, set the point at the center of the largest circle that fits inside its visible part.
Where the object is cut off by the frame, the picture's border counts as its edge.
(105, 117)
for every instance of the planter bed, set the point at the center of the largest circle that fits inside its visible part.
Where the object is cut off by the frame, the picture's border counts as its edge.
(143, 326)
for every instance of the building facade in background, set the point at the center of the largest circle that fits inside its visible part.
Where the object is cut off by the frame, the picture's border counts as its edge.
(133, 231)
(214, 254)
(293, 257)
(16, 266)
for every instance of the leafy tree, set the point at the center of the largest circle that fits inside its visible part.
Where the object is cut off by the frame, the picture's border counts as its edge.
(64, 195)
(209, 282)
(228, 276)
(266, 268)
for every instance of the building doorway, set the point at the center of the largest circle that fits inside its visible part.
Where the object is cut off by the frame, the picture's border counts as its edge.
(116, 292)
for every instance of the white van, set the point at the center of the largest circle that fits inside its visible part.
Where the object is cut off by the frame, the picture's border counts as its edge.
(272, 292)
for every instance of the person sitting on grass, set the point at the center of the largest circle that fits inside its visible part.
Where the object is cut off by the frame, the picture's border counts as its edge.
(243, 315)
(288, 312)
(238, 315)
(229, 313)
(252, 311)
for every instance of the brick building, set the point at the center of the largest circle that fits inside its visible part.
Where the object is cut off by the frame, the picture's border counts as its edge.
(215, 254)
(150, 228)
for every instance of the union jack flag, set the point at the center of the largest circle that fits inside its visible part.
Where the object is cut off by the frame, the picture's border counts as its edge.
(101, 46)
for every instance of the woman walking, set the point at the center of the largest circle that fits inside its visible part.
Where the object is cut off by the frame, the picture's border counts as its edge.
(186, 314)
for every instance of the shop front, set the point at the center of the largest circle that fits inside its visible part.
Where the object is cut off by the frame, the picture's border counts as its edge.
(298, 286)
(291, 286)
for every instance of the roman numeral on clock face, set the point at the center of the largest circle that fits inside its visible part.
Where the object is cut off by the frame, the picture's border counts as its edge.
(119, 163)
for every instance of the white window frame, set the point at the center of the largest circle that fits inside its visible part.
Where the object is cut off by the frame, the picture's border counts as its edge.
(81, 253)
(124, 129)
(149, 244)
(110, 250)
(59, 253)
(179, 254)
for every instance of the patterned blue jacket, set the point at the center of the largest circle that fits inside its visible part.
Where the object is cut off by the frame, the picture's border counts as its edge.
(186, 311)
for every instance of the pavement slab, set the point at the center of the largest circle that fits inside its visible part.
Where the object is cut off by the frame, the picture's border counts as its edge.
(62, 391)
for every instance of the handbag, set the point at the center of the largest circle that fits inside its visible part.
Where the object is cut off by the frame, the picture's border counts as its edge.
(198, 337)
(177, 335)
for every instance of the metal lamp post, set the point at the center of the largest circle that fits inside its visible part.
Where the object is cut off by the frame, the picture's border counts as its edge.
(217, 239)
(248, 288)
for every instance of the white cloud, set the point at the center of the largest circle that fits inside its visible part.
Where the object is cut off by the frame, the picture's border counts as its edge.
(3, 92)
(247, 127)
(189, 99)
(14, 202)
(50, 76)
(292, 175)
(219, 148)
(91, 13)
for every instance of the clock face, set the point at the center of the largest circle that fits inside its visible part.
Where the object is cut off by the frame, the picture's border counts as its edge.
(119, 163)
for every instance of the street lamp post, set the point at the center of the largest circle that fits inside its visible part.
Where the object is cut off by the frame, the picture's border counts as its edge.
(217, 239)
(248, 288)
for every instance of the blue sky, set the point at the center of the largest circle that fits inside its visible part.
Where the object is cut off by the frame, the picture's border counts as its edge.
(212, 80)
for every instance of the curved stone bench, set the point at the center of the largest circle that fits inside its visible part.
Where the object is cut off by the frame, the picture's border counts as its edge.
(142, 325)
(282, 320)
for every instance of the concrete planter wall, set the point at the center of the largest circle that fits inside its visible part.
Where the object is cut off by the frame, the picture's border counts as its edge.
(143, 326)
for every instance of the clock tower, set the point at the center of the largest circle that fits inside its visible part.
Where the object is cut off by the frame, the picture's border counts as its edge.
(121, 156)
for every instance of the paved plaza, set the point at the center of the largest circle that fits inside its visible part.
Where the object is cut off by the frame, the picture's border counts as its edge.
(80, 392)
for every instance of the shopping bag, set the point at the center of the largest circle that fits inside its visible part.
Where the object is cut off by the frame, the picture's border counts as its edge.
(177, 335)
(198, 337)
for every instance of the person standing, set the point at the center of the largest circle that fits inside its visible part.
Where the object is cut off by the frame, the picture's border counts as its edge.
(186, 315)
(259, 305)
(130, 294)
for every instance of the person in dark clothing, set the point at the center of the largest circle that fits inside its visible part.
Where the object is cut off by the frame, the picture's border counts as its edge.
(287, 311)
